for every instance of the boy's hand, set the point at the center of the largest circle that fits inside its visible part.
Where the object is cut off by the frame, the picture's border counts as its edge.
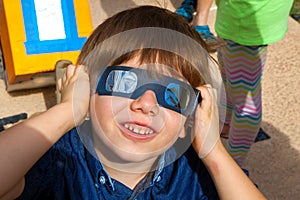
(206, 122)
(75, 91)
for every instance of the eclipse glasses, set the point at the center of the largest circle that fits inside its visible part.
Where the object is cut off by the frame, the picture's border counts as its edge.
(132, 83)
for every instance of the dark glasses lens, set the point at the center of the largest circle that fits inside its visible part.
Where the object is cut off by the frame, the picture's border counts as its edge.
(121, 81)
(177, 96)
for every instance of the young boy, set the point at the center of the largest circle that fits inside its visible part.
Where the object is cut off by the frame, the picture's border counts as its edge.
(148, 98)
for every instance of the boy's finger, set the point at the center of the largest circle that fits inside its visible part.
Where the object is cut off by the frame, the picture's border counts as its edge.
(78, 70)
(81, 73)
(64, 78)
(206, 97)
(59, 84)
(70, 71)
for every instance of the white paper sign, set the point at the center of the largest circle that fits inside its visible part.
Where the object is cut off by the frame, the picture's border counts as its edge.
(50, 19)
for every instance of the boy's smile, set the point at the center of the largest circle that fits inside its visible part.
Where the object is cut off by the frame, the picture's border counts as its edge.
(136, 130)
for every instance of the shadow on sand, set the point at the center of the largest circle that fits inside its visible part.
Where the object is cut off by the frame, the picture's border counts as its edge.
(47, 92)
(274, 165)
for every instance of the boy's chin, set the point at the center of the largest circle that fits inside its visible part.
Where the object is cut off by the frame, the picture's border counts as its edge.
(128, 161)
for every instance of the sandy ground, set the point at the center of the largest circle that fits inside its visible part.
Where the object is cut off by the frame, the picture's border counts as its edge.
(274, 164)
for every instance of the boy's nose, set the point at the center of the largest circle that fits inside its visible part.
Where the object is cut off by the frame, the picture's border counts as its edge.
(146, 103)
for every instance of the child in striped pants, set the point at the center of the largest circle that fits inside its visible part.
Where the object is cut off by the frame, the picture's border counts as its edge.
(247, 27)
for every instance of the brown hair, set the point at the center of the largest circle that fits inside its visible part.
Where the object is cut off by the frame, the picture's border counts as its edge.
(190, 63)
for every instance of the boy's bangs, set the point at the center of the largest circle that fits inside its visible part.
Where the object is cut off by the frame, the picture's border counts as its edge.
(164, 62)
(152, 45)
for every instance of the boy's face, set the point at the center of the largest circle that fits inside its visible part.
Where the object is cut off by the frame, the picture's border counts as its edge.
(133, 130)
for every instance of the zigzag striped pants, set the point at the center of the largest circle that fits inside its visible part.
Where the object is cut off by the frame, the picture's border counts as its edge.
(242, 68)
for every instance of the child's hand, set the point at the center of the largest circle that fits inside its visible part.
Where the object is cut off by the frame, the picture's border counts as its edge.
(75, 91)
(206, 122)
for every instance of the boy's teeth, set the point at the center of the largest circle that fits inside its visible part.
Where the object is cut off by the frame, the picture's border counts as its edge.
(138, 130)
(142, 132)
(135, 130)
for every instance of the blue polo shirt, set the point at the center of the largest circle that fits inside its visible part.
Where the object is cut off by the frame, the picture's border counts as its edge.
(69, 171)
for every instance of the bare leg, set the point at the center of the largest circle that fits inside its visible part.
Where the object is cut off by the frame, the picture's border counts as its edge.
(202, 11)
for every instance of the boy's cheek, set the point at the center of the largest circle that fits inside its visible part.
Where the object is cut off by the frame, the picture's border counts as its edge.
(100, 108)
(176, 123)
(107, 104)
(118, 104)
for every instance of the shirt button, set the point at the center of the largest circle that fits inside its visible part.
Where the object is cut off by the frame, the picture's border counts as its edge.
(158, 179)
(102, 180)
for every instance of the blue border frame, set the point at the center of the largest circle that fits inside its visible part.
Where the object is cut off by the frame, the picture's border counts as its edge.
(34, 46)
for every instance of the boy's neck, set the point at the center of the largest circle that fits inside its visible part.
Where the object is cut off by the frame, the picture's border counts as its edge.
(127, 178)
(130, 174)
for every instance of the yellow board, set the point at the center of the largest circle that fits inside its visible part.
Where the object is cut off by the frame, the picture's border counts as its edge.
(21, 29)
